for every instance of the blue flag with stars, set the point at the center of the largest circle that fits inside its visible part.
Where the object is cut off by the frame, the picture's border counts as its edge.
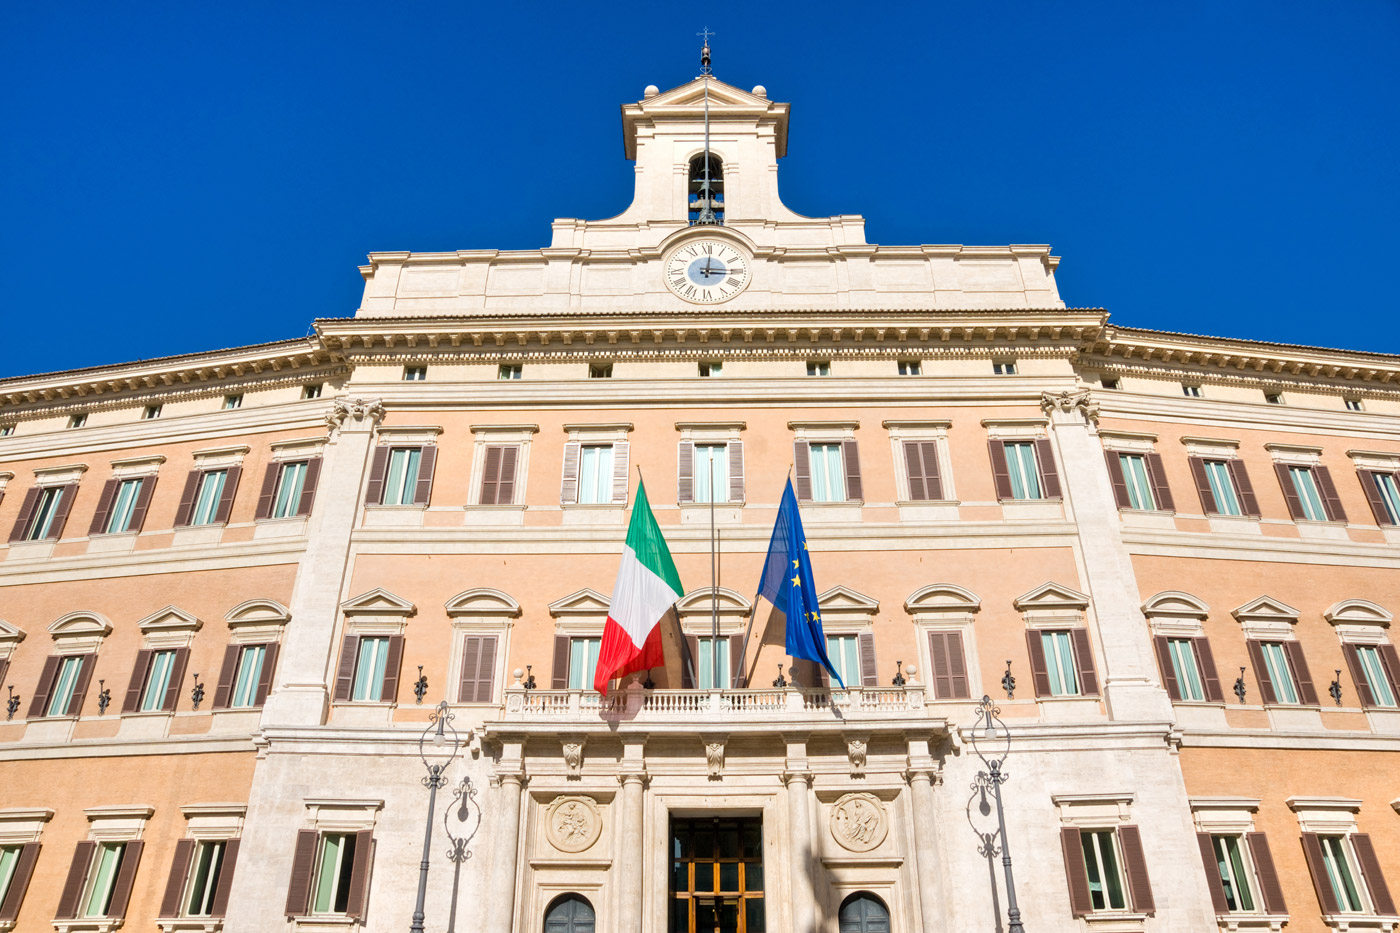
(787, 584)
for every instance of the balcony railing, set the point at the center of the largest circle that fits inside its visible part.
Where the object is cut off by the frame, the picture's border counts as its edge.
(636, 703)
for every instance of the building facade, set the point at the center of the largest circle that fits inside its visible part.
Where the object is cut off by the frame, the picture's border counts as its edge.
(237, 583)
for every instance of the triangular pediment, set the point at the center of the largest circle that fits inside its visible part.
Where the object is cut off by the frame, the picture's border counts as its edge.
(687, 102)
(1266, 609)
(586, 601)
(169, 619)
(482, 601)
(80, 623)
(258, 612)
(378, 601)
(1175, 604)
(698, 602)
(10, 634)
(1358, 612)
(1051, 596)
(942, 597)
(845, 599)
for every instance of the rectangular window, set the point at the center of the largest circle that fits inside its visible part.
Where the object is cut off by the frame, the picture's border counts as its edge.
(1191, 391)
(44, 510)
(204, 878)
(712, 675)
(1280, 674)
(151, 411)
(1222, 487)
(123, 504)
(1376, 676)
(1353, 404)
(844, 652)
(78, 420)
(819, 367)
(600, 371)
(63, 685)
(245, 684)
(369, 669)
(1110, 382)
(828, 473)
(1059, 663)
(583, 662)
(1305, 483)
(233, 401)
(97, 896)
(1139, 486)
(711, 369)
(1188, 675)
(1004, 367)
(336, 862)
(6, 430)
(1273, 398)
(415, 373)
(911, 368)
(595, 474)
(1020, 463)
(711, 473)
(289, 486)
(9, 858)
(206, 502)
(1101, 861)
(510, 371)
(1390, 494)
(157, 681)
(311, 391)
(401, 480)
(1340, 874)
(1229, 860)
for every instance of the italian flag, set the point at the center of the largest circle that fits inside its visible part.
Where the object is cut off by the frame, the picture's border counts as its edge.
(647, 586)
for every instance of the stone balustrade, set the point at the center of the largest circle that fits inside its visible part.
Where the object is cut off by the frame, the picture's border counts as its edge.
(638, 704)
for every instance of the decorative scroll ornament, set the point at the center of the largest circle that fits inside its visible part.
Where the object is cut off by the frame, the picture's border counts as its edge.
(353, 409)
(855, 750)
(1071, 401)
(859, 822)
(573, 823)
(573, 758)
(714, 757)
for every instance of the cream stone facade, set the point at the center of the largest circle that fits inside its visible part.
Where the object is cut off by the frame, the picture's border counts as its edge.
(237, 583)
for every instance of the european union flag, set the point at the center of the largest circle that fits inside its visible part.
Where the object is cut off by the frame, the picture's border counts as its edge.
(787, 584)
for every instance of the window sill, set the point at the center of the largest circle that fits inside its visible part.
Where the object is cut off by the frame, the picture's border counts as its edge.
(1115, 921)
(845, 511)
(1031, 509)
(1235, 524)
(1323, 531)
(395, 516)
(362, 712)
(323, 923)
(116, 542)
(928, 510)
(698, 513)
(194, 535)
(1361, 922)
(151, 724)
(290, 527)
(607, 513)
(89, 925)
(190, 924)
(1233, 922)
(493, 515)
(243, 719)
(32, 550)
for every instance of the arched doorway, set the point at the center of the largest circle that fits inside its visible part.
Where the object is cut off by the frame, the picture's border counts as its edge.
(570, 913)
(863, 912)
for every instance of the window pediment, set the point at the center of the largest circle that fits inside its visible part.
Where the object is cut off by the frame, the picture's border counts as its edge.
(1174, 604)
(482, 601)
(1358, 612)
(844, 599)
(258, 612)
(10, 635)
(378, 602)
(1051, 596)
(586, 601)
(80, 627)
(1265, 609)
(169, 619)
(942, 597)
(698, 602)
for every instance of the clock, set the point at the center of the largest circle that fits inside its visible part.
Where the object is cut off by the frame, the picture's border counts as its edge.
(706, 271)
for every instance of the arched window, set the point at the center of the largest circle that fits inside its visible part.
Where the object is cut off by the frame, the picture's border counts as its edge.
(863, 912)
(571, 913)
(698, 198)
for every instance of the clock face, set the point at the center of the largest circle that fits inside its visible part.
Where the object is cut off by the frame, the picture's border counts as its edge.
(707, 271)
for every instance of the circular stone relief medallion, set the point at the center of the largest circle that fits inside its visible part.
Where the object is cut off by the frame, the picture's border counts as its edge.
(573, 823)
(858, 822)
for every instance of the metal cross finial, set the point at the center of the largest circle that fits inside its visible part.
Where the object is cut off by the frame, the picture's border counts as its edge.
(705, 34)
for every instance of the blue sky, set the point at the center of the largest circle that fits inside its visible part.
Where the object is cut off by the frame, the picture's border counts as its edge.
(187, 176)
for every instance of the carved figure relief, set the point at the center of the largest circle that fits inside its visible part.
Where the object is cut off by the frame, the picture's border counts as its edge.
(859, 822)
(573, 823)
(855, 749)
(714, 757)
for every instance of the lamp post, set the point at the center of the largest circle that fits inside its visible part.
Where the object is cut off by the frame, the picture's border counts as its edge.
(435, 735)
(468, 816)
(990, 737)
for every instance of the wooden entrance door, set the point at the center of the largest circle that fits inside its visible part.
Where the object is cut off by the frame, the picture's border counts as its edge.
(717, 875)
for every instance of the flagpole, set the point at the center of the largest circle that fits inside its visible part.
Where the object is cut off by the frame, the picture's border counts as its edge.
(714, 579)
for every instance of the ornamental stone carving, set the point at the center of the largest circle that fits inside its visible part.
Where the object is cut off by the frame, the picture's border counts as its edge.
(859, 822)
(573, 823)
(855, 750)
(1080, 400)
(714, 757)
(573, 758)
(359, 412)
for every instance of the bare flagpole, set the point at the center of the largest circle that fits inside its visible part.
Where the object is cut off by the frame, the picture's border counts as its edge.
(748, 629)
(714, 579)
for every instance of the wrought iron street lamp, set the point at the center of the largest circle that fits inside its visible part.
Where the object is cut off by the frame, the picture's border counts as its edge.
(436, 738)
(466, 813)
(991, 740)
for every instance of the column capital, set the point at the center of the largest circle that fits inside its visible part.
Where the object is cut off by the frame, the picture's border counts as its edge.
(789, 776)
(633, 776)
(354, 414)
(1069, 403)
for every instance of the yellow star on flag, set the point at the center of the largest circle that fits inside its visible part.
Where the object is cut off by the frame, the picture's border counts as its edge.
(795, 581)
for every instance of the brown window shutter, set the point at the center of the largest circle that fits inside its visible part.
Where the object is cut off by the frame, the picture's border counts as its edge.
(1161, 490)
(104, 507)
(345, 671)
(26, 513)
(869, 676)
(691, 670)
(269, 491)
(471, 669)
(1117, 479)
(1040, 674)
(1244, 487)
(1049, 473)
(1306, 692)
(921, 465)
(850, 458)
(175, 883)
(1390, 660)
(1213, 880)
(736, 660)
(505, 490)
(142, 504)
(186, 508)
(1001, 478)
(269, 670)
(1198, 473)
(308, 486)
(359, 874)
(1084, 660)
(39, 701)
(73, 886)
(139, 670)
(303, 863)
(1290, 492)
(621, 452)
(177, 679)
(1270, 891)
(735, 449)
(228, 670)
(219, 906)
(60, 514)
(80, 686)
(378, 466)
(1368, 484)
(126, 878)
(802, 470)
(19, 881)
(559, 675)
(1210, 678)
(939, 665)
(1080, 902)
(221, 514)
(490, 475)
(685, 472)
(1139, 885)
(4, 669)
(1358, 676)
(1331, 502)
(389, 693)
(1261, 671)
(568, 487)
(1371, 871)
(1326, 897)
(427, 466)
(957, 666)
(1164, 661)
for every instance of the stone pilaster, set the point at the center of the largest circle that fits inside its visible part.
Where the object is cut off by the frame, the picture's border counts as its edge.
(505, 848)
(798, 780)
(923, 776)
(629, 907)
